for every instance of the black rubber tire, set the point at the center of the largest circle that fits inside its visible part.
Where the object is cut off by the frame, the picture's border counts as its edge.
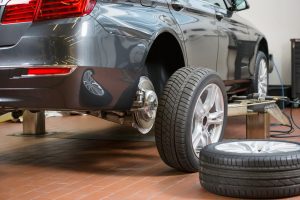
(255, 176)
(260, 55)
(174, 117)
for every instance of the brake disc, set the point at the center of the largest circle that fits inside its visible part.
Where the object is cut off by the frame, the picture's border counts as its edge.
(145, 116)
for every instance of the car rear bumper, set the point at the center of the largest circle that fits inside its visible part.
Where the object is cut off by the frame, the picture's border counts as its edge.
(114, 62)
(85, 88)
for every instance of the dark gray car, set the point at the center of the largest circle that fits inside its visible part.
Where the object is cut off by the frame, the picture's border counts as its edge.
(118, 58)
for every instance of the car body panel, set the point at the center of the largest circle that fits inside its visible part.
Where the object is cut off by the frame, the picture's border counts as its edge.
(68, 92)
(110, 47)
(235, 47)
(132, 19)
(198, 24)
(73, 42)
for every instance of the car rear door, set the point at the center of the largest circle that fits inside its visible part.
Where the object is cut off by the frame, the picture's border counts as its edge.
(10, 34)
(235, 47)
(197, 21)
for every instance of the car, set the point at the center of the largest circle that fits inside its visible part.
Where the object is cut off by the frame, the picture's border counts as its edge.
(168, 64)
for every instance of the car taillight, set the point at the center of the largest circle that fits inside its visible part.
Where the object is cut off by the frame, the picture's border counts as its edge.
(19, 11)
(54, 9)
(37, 10)
(48, 71)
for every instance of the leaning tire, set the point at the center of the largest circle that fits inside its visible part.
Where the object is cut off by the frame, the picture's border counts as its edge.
(251, 169)
(191, 96)
(261, 74)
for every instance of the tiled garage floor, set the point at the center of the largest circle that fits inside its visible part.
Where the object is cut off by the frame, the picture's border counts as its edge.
(88, 158)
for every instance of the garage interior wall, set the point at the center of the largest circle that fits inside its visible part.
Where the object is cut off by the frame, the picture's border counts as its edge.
(279, 21)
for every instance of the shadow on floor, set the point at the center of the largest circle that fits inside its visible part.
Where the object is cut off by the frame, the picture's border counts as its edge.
(115, 150)
(110, 150)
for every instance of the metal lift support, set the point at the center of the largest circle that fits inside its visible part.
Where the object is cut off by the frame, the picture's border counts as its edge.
(34, 123)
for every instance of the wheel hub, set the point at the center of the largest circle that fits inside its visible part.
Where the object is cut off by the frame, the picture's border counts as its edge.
(204, 122)
(147, 101)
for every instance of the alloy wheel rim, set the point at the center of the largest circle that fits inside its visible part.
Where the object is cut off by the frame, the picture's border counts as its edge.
(208, 117)
(258, 147)
(262, 78)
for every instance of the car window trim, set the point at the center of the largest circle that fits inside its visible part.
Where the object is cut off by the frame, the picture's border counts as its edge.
(215, 6)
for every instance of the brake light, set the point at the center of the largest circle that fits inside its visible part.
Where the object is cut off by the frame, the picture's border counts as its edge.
(19, 11)
(48, 71)
(37, 10)
(54, 9)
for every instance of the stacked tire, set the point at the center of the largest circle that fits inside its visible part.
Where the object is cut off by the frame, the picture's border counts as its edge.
(251, 169)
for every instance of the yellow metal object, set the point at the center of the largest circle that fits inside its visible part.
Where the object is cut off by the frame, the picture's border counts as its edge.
(6, 117)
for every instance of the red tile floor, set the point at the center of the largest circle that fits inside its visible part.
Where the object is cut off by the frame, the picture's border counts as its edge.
(83, 157)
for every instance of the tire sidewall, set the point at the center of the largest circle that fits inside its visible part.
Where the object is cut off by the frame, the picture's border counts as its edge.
(209, 79)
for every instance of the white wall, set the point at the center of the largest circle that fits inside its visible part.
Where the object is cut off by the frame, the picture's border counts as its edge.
(279, 20)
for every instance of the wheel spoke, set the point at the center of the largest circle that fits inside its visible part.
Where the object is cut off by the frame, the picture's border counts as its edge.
(210, 98)
(197, 128)
(197, 139)
(208, 137)
(262, 77)
(200, 110)
(264, 83)
(215, 118)
(201, 140)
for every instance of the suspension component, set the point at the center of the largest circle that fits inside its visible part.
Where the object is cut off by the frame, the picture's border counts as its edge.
(143, 112)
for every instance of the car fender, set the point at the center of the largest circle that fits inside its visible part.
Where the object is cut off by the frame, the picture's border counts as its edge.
(131, 19)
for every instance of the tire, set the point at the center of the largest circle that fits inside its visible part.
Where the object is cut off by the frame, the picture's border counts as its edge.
(261, 70)
(176, 116)
(228, 169)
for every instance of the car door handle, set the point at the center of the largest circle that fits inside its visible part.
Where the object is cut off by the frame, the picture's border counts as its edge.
(177, 6)
(219, 16)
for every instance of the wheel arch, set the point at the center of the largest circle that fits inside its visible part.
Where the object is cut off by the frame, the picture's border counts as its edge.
(263, 46)
(171, 33)
(166, 54)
